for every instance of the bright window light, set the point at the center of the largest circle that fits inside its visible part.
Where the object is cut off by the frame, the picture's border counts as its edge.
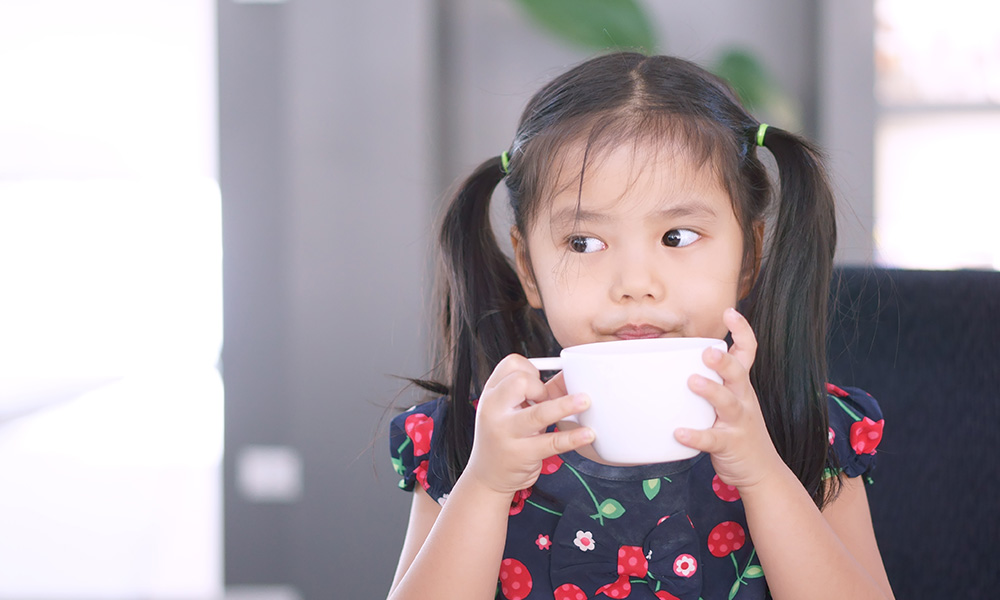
(111, 307)
(938, 85)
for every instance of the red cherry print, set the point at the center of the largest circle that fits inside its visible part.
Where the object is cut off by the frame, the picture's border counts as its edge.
(551, 464)
(421, 474)
(515, 580)
(517, 503)
(724, 491)
(662, 519)
(836, 391)
(726, 538)
(419, 427)
(631, 563)
(568, 591)
(665, 595)
(831, 435)
(866, 435)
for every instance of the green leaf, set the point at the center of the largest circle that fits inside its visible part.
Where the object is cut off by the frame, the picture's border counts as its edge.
(747, 75)
(397, 464)
(611, 508)
(753, 572)
(734, 589)
(651, 487)
(595, 24)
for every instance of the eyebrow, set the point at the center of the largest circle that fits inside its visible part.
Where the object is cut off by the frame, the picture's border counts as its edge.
(572, 215)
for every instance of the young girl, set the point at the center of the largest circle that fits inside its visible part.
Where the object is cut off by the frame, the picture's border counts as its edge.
(640, 206)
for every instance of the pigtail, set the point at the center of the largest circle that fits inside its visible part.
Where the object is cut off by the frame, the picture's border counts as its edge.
(485, 314)
(789, 312)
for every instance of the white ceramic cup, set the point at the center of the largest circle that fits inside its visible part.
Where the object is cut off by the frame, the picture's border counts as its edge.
(639, 394)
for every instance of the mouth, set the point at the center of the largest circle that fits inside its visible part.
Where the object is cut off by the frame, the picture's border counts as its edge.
(638, 332)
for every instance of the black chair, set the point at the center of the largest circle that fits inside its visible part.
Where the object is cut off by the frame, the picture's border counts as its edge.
(926, 344)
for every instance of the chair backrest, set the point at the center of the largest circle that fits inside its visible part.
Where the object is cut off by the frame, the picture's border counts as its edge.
(926, 344)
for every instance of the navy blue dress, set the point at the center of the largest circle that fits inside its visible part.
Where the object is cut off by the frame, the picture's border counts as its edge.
(660, 531)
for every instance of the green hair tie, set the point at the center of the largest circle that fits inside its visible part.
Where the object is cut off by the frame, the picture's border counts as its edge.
(505, 162)
(760, 134)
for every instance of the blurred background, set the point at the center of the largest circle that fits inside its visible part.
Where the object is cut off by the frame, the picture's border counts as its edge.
(175, 173)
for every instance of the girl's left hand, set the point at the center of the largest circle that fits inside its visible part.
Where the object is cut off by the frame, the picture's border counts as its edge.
(741, 448)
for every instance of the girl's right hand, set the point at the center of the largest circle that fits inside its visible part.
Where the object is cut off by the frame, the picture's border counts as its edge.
(515, 409)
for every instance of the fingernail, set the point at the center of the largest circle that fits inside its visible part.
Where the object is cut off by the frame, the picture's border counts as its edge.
(682, 434)
(714, 354)
(581, 401)
(585, 435)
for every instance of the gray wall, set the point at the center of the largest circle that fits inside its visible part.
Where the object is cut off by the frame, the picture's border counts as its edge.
(324, 141)
(342, 123)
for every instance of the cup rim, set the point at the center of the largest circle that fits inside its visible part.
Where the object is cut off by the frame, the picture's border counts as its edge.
(645, 345)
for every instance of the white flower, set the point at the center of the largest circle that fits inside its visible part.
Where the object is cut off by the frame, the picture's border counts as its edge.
(443, 499)
(584, 540)
(685, 565)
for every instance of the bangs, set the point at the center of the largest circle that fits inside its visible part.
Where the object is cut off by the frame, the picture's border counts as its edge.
(583, 143)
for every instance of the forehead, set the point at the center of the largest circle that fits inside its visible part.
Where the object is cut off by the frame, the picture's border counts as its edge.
(656, 175)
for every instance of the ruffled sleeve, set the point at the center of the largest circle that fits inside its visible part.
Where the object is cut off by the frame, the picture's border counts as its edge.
(856, 425)
(415, 448)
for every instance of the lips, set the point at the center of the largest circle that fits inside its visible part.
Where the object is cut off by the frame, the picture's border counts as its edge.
(638, 332)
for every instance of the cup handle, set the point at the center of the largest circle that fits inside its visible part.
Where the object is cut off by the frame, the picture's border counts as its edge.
(551, 363)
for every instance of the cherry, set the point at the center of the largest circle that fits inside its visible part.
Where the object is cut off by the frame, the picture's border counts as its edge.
(420, 428)
(568, 591)
(515, 580)
(836, 391)
(724, 491)
(517, 502)
(866, 435)
(726, 538)
(551, 464)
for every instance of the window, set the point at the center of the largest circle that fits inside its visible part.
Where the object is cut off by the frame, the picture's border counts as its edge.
(937, 86)
(110, 311)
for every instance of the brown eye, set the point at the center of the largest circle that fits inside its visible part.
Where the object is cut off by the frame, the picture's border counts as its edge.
(678, 238)
(585, 245)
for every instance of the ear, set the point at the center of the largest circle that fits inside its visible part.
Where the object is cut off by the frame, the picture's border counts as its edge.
(748, 280)
(522, 265)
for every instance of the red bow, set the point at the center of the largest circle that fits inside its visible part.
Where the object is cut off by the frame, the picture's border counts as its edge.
(631, 563)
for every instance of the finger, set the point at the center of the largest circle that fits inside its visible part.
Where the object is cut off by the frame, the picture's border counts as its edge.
(556, 386)
(723, 400)
(744, 341)
(733, 373)
(543, 414)
(515, 389)
(703, 440)
(509, 364)
(558, 442)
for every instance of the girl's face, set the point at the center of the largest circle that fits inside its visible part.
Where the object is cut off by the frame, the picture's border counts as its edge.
(649, 247)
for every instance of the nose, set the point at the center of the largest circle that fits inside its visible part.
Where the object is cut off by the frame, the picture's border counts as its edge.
(637, 279)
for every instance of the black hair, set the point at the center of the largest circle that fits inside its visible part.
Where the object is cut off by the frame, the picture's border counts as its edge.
(656, 101)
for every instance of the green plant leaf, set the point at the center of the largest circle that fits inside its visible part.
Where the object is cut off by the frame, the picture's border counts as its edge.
(595, 24)
(734, 589)
(651, 487)
(611, 509)
(747, 75)
(753, 572)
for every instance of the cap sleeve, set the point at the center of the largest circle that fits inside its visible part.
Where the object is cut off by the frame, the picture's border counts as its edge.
(856, 425)
(415, 448)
